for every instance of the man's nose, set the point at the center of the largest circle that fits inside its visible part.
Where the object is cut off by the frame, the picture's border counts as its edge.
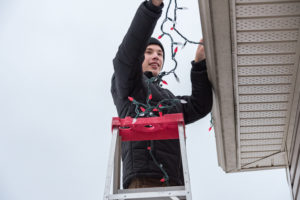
(155, 56)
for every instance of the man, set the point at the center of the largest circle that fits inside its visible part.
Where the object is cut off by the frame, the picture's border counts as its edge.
(139, 58)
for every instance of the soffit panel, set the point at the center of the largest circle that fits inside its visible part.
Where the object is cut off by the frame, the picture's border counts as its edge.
(263, 98)
(266, 41)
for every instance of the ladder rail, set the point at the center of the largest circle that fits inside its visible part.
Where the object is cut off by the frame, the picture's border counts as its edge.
(111, 159)
(117, 162)
(185, 167)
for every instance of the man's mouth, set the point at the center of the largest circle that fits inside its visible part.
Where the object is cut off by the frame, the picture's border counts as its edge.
(154, 66)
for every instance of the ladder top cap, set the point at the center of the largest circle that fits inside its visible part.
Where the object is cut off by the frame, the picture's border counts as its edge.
(151, 128)
(165, 119)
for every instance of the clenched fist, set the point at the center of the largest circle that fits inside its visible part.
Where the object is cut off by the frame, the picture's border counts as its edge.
(157, 2)
(200, 53)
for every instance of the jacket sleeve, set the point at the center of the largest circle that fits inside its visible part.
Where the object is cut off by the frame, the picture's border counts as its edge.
(129, 58)
(200, 102)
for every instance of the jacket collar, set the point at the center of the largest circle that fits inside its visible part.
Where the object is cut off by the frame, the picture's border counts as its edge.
(148, 74)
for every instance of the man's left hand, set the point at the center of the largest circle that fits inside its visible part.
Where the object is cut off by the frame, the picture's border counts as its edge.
(200, 53)
(157, 2)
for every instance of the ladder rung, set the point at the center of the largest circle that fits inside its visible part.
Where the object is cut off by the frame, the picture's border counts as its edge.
(153, 189)
(149, 195)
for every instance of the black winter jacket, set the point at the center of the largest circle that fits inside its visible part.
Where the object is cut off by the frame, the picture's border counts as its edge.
(129, 80)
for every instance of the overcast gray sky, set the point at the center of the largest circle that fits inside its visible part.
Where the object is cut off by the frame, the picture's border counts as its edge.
(56, 108)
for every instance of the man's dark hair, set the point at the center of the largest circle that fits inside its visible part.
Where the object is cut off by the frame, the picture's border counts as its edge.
(157, 42)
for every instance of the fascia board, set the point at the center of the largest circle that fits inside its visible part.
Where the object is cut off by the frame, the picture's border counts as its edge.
(292, 126)
(217, 41)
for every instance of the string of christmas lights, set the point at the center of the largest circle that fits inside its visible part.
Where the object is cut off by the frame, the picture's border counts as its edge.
(148, 110)
(174, 43)
(166, 176)
(211, 123)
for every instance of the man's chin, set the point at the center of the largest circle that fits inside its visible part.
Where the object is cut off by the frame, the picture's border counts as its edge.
(155, 73)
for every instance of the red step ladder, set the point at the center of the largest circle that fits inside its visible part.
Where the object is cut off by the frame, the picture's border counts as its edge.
(170, 126)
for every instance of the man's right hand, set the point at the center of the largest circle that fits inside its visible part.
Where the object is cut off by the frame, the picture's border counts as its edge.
(157, 2)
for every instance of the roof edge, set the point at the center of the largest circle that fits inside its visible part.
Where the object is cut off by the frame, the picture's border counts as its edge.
(217, 41)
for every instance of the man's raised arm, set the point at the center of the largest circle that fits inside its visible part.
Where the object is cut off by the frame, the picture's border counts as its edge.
(200, 102)
(129, 58)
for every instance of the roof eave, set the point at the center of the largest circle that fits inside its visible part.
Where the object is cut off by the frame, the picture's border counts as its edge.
(219, 62)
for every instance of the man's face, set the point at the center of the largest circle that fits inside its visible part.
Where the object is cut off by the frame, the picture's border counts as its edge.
(153, 59)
